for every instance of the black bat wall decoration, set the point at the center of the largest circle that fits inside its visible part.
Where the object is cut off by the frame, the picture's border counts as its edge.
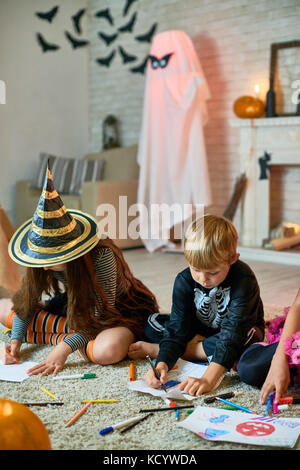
(127, 28)
(46, 46)
(147, 37)
(142, 67)
(105, 14)
(127, 6)
(106, 61)
(49, 15)
(75, 42)
(125, 56)
(76, 20)
(108, 38)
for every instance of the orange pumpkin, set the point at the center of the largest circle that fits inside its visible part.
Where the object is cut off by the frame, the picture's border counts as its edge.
(248, 107)
(20, 428)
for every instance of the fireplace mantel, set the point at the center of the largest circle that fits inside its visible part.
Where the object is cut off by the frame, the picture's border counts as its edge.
(264, 142)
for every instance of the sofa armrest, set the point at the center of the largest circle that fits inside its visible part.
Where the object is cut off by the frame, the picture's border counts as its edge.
(110, 201)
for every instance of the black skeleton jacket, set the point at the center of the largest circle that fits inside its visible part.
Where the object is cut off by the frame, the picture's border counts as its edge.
(230, 309)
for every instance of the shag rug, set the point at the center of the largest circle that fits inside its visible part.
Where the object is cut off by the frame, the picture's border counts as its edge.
(159, 432)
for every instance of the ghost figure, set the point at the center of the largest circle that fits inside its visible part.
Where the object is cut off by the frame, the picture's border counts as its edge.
(172, 158)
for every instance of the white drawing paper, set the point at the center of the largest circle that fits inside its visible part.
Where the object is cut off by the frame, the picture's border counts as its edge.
(15, 372)
(183, 370)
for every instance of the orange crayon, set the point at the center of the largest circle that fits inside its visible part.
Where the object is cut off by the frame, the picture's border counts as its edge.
(131, 372)
(77, 415)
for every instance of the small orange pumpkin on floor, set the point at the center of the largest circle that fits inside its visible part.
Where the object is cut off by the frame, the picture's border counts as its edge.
(20, 428)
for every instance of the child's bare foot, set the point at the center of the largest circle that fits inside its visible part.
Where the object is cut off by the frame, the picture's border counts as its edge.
(141, 349)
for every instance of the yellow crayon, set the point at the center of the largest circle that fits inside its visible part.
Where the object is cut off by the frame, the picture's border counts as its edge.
(99, 401)
(48, 393)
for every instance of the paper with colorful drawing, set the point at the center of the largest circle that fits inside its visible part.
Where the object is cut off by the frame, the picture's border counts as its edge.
(182, 370)
(233, 426)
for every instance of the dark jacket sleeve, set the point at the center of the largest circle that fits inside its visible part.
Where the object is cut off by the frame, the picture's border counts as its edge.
(243, 312)
(179, 328)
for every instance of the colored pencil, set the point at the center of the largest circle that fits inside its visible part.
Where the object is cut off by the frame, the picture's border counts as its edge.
(166, 409)
(53, 403)
(99, 401)
(77, 415)
(234, 405)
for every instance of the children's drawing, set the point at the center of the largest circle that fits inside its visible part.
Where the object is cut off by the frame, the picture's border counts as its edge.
(219, 419)
(250, 428)
(235, 426)
(211, 433)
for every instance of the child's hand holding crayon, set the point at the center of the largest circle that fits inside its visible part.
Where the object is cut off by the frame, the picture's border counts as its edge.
(152, 380)
(9, 353)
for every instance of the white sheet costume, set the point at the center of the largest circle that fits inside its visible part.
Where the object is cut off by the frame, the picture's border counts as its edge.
(171, 155)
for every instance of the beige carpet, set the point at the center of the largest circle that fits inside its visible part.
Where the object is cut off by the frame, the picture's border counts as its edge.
(158, 432)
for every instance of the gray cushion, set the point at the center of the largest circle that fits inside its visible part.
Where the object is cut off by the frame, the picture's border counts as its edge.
(68, 173)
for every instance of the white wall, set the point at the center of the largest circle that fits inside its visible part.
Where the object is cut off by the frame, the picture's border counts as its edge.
(232, 39)
(46, 93)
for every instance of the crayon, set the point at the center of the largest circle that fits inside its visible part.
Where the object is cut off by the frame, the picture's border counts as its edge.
(132, 372)
(77, 415)
(48, 393)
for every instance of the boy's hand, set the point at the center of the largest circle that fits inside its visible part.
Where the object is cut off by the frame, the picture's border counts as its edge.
(194, 386)
(162, 370)
(54, 362)
(208, 382)
(9, 353)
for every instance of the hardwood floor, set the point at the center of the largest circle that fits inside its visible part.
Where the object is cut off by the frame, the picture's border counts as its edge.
(279, 283)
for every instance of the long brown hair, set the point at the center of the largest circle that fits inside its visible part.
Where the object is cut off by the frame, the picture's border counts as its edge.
(84, 292)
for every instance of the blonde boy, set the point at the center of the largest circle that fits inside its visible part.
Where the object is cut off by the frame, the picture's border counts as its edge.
(216, 309)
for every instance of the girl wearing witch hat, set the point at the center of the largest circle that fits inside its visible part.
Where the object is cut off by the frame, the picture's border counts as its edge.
(103, 307)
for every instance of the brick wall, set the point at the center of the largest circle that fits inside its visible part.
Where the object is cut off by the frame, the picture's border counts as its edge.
(232, 38)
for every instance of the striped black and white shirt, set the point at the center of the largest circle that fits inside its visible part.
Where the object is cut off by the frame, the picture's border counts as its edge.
(106, 272)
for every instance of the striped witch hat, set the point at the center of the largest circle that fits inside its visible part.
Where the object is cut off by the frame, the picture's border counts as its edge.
(54, 235)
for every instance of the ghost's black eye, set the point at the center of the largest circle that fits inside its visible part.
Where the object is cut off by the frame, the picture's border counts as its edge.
(164, 60)
(154, 61)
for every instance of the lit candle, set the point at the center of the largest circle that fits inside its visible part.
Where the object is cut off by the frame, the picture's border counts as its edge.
(256, 90)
